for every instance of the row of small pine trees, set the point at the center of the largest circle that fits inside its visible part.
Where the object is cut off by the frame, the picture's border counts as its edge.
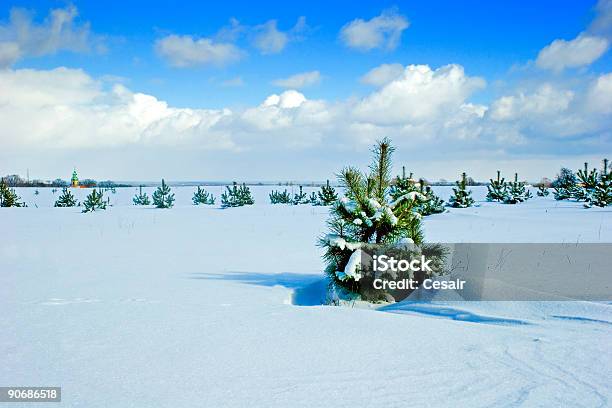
(163, 197)
(326, 196)
(507, 192)
(591, 186)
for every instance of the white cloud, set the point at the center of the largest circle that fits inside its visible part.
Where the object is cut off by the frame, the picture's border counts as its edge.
(422, 110)
(383, 31)
(67, 109)
(186, 51)
(599, 97)
(580, 51)
(298, 81)
(419, 94)
(288, 99)
(220, 49)
(383, 74)
(21, 37)
(9, 53)
(602, 24)
(545, 101)
(268, 39)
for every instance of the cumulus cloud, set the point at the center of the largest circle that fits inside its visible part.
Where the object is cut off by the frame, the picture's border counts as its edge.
(583, 50)
(419, 94)
(383, 31)
(422, 109)
(383, 74)
(599, 98)
(67, 109)
(186, 51)
(299, 81)
(22, 37)
(580, 51)
(545, 101)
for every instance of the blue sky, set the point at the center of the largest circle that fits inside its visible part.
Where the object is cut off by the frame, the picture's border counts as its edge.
(487, 38)
(503, 50)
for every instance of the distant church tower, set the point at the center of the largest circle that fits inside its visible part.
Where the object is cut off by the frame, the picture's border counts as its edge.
(74, 181)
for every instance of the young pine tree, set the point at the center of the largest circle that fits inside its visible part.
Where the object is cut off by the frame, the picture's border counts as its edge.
(564, 185)
(202, 196)
(327, 195)
(431, 204)
(403, 185)
(276, 197)
(314, 199)
(462, 197)
(516, 191)
(244, 195)
(236, 196)
(94, 201)
(497, 190)
(163, 196)
(587, 183)
(300, 198)
(602, 195)
(66, 199)
(8, 196)
(141, 198)
(367, 215)
(542, 190)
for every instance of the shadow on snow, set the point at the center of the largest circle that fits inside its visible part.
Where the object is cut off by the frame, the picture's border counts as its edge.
(308, 289)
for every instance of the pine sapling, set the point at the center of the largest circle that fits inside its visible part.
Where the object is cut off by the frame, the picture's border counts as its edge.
(163, 196)
(300, 198)
(276, 197)
(497, 189)
(587, 183)
(314, 199)
(327, 195)
(403, 185)
(542, 190)
(66, 199)
(244, 194)
(8, 196)
(516, 192)
(431, 204)
(602, 195)
(564, 185)
(202, 196)
(236, 196)
(367, 215)
(94, 201)
(462, 197)
(141, 198)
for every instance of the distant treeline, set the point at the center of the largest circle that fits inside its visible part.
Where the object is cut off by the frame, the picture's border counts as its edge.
(14, 180)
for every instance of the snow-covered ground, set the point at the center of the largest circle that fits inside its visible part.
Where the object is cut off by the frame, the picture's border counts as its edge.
(199, 306)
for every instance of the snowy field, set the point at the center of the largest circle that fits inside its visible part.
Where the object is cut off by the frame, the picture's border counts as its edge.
(205, 307)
